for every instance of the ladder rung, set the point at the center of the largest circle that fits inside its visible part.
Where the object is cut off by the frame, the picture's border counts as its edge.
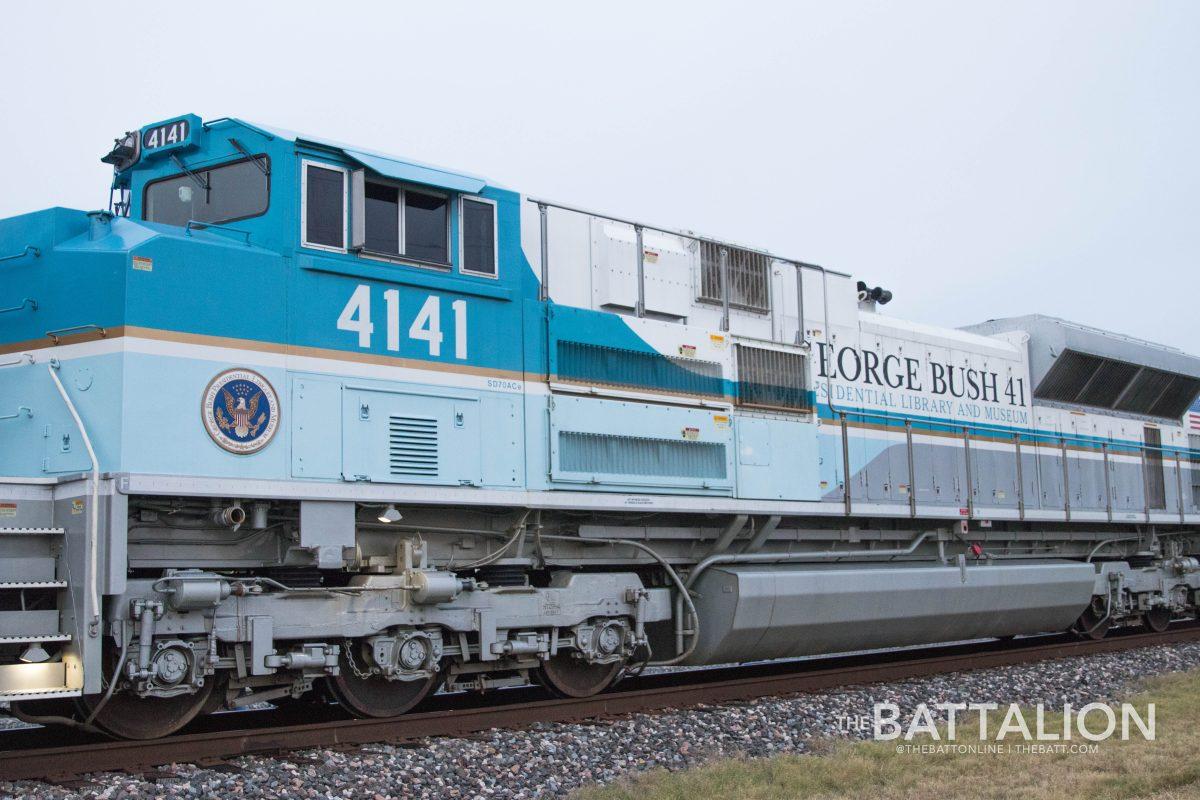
(27, 638)
(31, 531)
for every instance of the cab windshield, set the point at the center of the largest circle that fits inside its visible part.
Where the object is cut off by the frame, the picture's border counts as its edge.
(224, 193)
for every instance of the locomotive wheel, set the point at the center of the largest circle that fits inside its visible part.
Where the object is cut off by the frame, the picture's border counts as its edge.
(1093, 623)
(376, 696)
(573, 677)
(216, 697)
(128, 716)
(1157, 619)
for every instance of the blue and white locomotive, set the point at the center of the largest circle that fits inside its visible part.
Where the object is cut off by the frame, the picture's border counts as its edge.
(294, 416)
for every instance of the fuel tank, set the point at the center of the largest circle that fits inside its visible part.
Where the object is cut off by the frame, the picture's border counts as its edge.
(757, 612)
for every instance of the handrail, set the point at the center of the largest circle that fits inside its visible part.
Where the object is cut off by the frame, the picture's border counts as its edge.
(57, 334)
(28, 301)
(675, 232)
(640, 308)
(195, 224)
(93, 534)
(21, 359)
(22, 411)
(28, 250)
(544, 289)
(254, 128)
(640, 227)
(724, 266)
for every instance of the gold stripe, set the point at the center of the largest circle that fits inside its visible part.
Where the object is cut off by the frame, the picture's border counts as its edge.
(329, 354)
(45, 342)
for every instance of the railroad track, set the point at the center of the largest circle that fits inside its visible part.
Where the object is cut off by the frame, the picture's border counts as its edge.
(57, 756)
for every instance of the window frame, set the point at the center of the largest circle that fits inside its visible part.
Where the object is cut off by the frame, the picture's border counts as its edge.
(402, 189)
(233, 162)
(304, 165)
(462, 242)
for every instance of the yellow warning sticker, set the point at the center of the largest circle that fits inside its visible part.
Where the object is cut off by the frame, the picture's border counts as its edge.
(721, 420)
(717, 339)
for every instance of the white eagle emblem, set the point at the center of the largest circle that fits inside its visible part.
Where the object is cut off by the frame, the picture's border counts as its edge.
(242, 412)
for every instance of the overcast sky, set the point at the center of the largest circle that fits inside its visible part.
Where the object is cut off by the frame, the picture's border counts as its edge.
(980, 160)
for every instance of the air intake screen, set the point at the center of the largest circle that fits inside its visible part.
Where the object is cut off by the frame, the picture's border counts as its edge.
(772, 379)
(1088, 380)
(614, 366)
(749, 276)
(413, 446)
(631, 455)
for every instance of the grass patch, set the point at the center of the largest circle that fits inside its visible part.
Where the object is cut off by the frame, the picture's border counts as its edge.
(1167, 768)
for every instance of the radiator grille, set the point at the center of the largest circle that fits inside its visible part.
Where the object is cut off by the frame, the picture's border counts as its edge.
(1117, 385)
(613, 366)
(749, 276)
(772, 379)
(631, 455)
(413, 446)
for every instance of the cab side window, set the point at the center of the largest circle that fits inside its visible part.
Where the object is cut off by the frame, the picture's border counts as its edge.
(324, 207)
(406, 223)
(478, 236)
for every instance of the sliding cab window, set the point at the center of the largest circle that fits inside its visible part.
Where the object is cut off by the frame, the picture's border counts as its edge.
(224, 193)
(406, 223)
(477, 235)
(323, 212)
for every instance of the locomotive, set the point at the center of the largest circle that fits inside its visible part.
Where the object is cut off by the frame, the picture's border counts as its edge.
(297, 418)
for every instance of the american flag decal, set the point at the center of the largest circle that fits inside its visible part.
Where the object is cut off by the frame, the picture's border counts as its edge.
(1193, 417)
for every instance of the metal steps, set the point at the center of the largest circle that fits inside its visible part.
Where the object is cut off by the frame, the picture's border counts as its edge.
(34, 649)
(29, 638)
(14, 696)
(37, 681)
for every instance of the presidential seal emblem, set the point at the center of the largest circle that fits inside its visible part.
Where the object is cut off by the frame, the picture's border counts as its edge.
(240, 411)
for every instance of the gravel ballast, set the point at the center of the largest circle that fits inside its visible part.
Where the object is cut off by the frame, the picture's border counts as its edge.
(550, 760)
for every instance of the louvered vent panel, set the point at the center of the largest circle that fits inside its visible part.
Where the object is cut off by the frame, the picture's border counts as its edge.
(413, 446)
(1070, 373)
(1176, 399)
(1106, 385)
(1143, 394)
(772, 379)
(749, 276)
(613, 366)
(1088, 380)
(597, 453)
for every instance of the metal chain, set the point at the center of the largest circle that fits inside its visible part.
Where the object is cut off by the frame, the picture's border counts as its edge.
(349, 650)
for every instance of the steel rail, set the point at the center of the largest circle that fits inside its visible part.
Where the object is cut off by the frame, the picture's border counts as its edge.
(677, 690)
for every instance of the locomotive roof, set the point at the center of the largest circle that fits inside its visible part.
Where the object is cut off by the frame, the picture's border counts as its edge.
(385, 163)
